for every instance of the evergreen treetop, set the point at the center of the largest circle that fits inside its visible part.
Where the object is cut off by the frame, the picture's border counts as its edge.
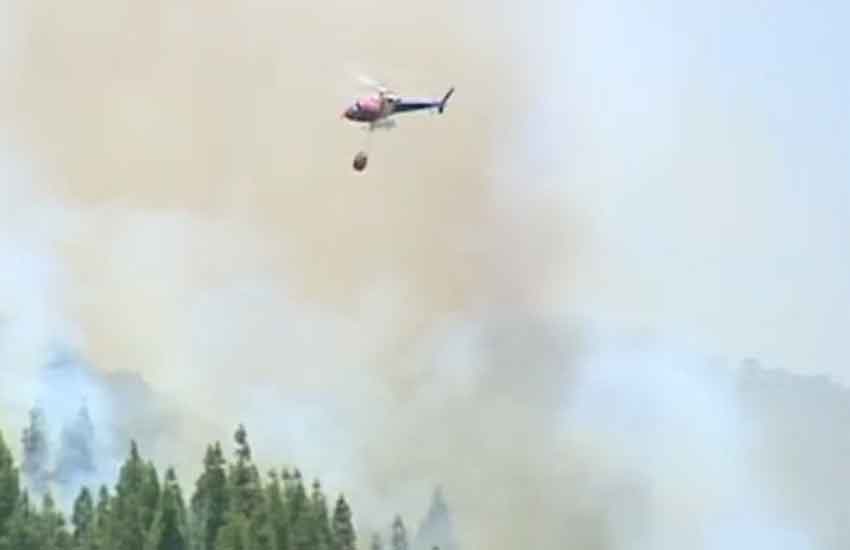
(231, 508)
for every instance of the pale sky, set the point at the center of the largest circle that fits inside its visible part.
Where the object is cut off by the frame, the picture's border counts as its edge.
(705, 148)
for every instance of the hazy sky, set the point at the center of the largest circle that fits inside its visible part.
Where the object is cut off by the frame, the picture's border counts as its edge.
(706, 150)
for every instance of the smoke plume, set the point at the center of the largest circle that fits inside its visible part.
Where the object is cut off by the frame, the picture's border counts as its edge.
(192, 219)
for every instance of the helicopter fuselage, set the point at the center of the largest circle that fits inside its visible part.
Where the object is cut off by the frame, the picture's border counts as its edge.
(374, 108)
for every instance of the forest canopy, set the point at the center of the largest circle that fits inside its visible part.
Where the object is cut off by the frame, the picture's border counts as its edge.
(231, 507)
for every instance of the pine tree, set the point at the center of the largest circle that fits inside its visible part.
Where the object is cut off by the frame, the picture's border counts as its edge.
(232, 535)
(103, 532)
(32, 529)
(377, 542)
(296, 496)
(83, 519)
(262, 534)
(343, 528)
(180, 502)
(9, 486)
(36, 452)
(301, 534)
(52, 532)
(398, 538)
(168, 531)
(300, 518)
(22, 527)
(209, 504)
(248, 520)
(245, 486)
(322, 534)
(76, 455)
(135, 502)
(279, 518)
(150, 495)
(437, 529)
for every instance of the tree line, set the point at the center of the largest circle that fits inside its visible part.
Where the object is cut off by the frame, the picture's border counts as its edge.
(232, 507)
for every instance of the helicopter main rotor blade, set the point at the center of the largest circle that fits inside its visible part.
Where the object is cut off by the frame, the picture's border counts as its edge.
(373, 83)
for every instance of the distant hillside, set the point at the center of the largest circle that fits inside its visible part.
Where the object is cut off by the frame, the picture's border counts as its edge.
(796, 429)
(802, 439)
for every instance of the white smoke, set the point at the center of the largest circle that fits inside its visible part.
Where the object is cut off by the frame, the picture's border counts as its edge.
(670, 422)
(31, 289)
(42, 361)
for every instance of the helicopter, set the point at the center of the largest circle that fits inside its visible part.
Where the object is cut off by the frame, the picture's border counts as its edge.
(376, 110)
